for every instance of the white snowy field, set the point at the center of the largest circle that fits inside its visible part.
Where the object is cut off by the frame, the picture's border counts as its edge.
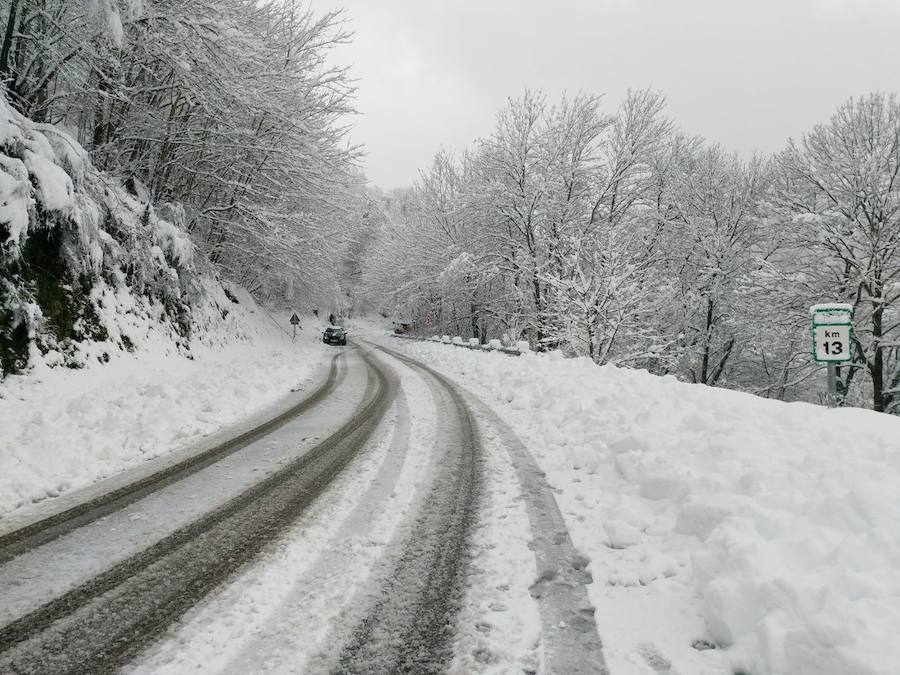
(712, 517)
(64, 429)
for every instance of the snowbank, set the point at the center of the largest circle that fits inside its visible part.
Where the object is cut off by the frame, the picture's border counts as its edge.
(776, 523)
(65, 428)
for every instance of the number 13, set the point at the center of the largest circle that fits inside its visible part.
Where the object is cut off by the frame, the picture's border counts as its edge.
(834, 347)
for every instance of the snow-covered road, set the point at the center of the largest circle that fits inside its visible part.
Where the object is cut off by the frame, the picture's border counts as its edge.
(417, 507)
(388, 522)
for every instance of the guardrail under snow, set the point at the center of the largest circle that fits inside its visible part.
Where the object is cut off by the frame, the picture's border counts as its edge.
(472, 343)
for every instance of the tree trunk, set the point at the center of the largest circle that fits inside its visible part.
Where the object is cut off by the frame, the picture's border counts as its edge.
(538, 311)
(876, 364)
(8, 40)
(704, 366)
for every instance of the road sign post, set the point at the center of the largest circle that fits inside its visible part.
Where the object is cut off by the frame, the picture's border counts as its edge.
(832, 333)
(295, 321)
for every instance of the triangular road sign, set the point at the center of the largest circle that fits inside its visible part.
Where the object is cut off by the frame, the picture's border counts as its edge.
(295, 319)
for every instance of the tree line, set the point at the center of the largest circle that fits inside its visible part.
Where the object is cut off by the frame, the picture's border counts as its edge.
(227, 109)
(618, 237)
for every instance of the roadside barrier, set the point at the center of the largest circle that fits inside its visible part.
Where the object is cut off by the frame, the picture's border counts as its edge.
(473, 344)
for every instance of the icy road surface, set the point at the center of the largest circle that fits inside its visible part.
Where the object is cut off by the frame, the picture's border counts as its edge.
(391, 524)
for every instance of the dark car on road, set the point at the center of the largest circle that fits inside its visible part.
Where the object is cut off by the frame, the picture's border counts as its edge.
(334, 335)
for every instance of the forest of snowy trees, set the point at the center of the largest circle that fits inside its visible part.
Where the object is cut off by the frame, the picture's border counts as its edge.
(149, 148)
(226, 108)
(609, 234)
(619, 237)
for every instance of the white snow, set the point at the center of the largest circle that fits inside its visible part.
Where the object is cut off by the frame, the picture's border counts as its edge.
(831, 307)
(288, 613)
(15, 198)
(54, 189)
(769, 529)
(64, 429)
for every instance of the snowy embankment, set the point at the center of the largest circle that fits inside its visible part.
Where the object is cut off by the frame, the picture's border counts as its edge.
(64, 429)
(711, 517)
(118, 340)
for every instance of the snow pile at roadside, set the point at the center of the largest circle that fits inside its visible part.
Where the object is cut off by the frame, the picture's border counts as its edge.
(63, 429)
(779, 523)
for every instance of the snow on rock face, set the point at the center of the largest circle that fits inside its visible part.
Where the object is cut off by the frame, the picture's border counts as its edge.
(777, 521)
(94, 258)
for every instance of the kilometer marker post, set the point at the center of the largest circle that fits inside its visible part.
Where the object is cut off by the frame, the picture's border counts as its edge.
(832, 333)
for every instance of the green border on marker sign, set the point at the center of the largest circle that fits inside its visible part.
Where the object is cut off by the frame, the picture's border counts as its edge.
(825, 313)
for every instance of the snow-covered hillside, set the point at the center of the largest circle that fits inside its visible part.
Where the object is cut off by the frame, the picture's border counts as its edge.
(118, 341)
(711, 517)
(88, 267)
(64, 429)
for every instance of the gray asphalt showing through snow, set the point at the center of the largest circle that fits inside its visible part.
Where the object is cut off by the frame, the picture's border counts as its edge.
(411, 620)
(37, 576)
(571, 643)
(45, 530)
(272, 647)
(102, 624)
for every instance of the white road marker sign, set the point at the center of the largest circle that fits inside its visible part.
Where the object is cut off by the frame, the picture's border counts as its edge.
(832, 333)
(832, 343)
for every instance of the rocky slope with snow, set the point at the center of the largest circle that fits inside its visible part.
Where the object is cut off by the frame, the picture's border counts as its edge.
(88, 264)
(118, 341)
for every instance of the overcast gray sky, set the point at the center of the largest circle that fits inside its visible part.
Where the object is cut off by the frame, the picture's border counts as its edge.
(745, 73)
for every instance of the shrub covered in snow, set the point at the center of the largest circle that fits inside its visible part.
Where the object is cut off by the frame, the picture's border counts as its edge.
(85, 258)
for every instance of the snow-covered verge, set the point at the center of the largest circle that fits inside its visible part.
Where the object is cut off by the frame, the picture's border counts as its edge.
(63, 429)
(86, 260)
(118, 341)
(712, 518)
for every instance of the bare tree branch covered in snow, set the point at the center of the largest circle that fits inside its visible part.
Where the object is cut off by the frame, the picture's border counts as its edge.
(617, 237)
(228, 108)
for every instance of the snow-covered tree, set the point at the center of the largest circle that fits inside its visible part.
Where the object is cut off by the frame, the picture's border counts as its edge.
(228, 108)
(841, 186)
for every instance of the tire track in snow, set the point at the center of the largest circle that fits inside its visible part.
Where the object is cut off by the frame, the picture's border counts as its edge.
(102, 624)
(47, 529)
(571, 643)
(270, 652)
(409, 625)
